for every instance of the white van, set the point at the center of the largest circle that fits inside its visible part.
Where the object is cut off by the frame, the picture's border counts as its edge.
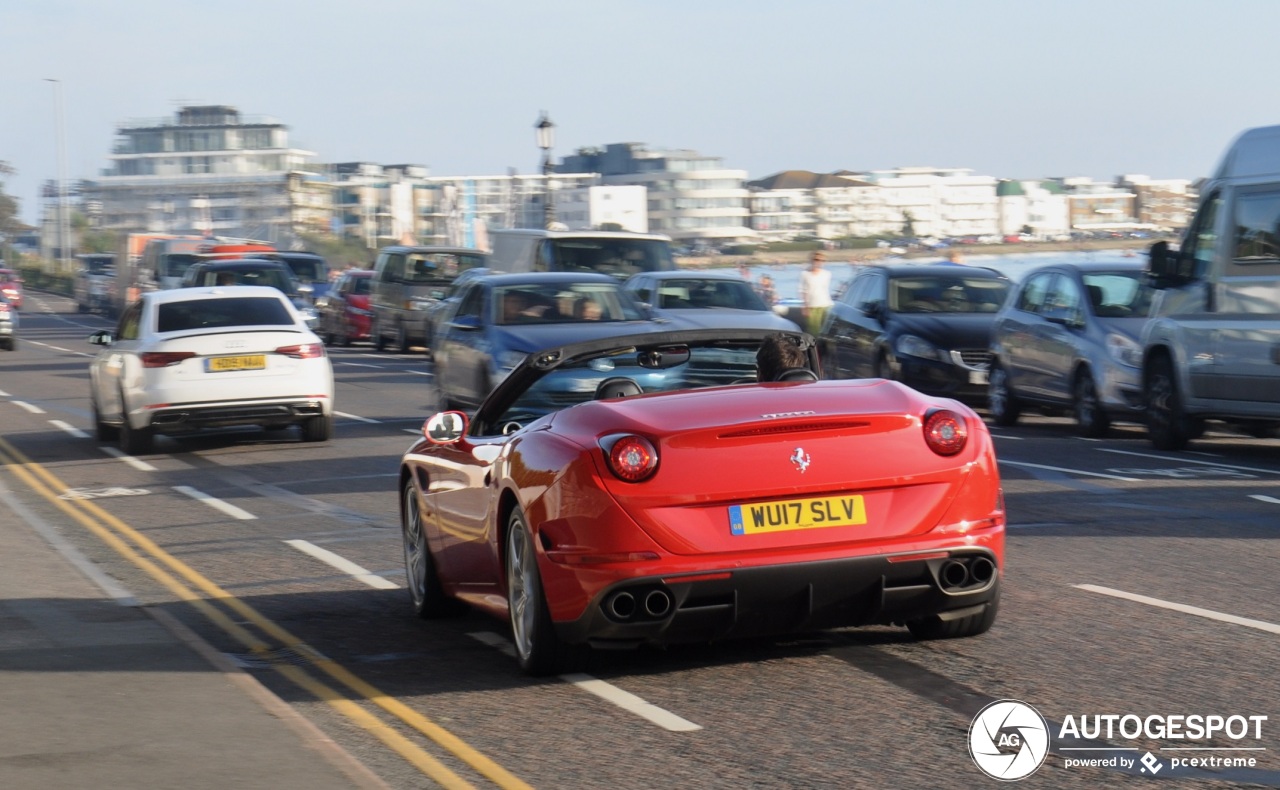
(618, 253)
(1212, 349)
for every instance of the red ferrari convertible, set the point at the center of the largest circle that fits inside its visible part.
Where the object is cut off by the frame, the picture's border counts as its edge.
(648, 490)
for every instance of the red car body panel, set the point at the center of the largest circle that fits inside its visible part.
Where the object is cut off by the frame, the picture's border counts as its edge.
(717, 448)
(11, 286)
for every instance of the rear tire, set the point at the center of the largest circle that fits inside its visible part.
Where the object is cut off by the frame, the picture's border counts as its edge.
(105, 432)
(317, 429)
(934, 627)
(402, 339)
(538, 649)
(1001, 402)
(379, 342)
(136, 441)
(1166, 424)
(1091, 418)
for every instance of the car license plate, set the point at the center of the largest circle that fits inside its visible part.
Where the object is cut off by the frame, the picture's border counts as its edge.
(791, 514)
(978, 377)
(248, 362)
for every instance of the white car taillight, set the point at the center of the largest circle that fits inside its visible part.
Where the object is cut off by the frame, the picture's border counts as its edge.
(163, 359)
(303, 351)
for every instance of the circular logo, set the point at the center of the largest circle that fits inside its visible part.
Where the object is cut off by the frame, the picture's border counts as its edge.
(1008, 740)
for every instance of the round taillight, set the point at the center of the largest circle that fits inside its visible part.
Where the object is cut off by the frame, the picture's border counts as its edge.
(945, 432)
(632, 458)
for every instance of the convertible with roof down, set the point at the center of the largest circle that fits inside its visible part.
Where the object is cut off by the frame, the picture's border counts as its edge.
(647, 489)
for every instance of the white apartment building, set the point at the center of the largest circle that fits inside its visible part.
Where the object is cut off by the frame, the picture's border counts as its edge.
(1037, 206)
(939, 202)
(209, 169)
(403, 204)
(691, 198)
(592, 208)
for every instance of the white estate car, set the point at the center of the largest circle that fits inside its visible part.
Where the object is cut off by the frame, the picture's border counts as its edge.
(193, 358)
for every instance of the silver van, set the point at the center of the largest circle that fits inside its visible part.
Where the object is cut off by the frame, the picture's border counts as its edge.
(617, 253)
(406, 282)
(1212, 349)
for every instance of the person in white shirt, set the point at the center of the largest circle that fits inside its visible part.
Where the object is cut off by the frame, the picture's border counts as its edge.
(815, 293)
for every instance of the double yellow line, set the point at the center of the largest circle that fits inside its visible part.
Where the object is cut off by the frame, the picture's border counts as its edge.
(210, 600)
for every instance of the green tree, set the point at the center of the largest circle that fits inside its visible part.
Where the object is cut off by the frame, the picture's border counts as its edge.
(10, 225)
(908, 225)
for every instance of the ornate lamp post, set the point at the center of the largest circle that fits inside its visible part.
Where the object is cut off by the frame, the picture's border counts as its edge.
(545, 130)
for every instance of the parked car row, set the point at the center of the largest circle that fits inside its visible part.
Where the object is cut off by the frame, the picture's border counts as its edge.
(1064, 338)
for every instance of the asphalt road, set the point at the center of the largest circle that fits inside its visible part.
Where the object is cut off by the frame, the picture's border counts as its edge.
(1137, 583)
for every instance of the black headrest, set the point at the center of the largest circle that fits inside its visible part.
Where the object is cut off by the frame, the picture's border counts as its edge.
(617, 387)
(796, 374)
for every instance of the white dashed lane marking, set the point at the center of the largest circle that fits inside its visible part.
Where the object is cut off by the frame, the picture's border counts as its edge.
(215, 503)
(343, 564)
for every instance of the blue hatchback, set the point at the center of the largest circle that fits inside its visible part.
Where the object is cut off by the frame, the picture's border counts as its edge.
(499, 319)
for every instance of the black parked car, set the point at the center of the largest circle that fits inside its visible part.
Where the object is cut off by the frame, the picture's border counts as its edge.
(928, 326)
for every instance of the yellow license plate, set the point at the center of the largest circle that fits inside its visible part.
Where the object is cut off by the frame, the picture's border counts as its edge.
(248, 362)
(835, 511)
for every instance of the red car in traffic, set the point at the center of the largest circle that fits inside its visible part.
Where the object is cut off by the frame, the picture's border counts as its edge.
(345, 315)
(11, 287)
(609, 494)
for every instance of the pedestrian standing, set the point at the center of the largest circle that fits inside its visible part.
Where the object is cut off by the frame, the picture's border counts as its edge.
(815, 293)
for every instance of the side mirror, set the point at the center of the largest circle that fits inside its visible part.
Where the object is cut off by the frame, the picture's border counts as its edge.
(873, 309)
(467, 323)
(1066, 316)
(1166, 266)
(446, 427)
(101, 338)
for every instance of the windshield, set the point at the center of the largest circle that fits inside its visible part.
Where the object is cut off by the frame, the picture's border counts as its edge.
(222, 313)
(946, 294)
(439, 266)
(571, 384)
(704, 293)
(309, 270)
(176, 265)
(619, 257)
(558, 303)
(1118, 294)
(99, 265)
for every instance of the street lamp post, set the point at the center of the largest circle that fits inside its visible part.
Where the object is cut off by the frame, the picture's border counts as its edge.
(545, 130)
(64, 240)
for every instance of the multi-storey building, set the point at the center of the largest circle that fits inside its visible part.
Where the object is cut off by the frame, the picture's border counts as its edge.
(1161, 204)
(692, 198)
(1035, 207)
(800, 204)
(210, 169)
(929, 202)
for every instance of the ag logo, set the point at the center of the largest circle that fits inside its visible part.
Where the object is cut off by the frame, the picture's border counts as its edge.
(1008, 740)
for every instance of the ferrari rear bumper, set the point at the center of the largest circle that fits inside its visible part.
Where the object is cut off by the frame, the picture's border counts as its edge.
(781, 599)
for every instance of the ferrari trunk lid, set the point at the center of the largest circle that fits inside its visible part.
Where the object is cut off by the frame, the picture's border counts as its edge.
(787, 466)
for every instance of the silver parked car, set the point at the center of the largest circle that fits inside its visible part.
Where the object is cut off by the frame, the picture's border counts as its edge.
(1067, 338)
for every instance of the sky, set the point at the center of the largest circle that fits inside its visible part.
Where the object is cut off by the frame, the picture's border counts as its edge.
(1008, 88)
